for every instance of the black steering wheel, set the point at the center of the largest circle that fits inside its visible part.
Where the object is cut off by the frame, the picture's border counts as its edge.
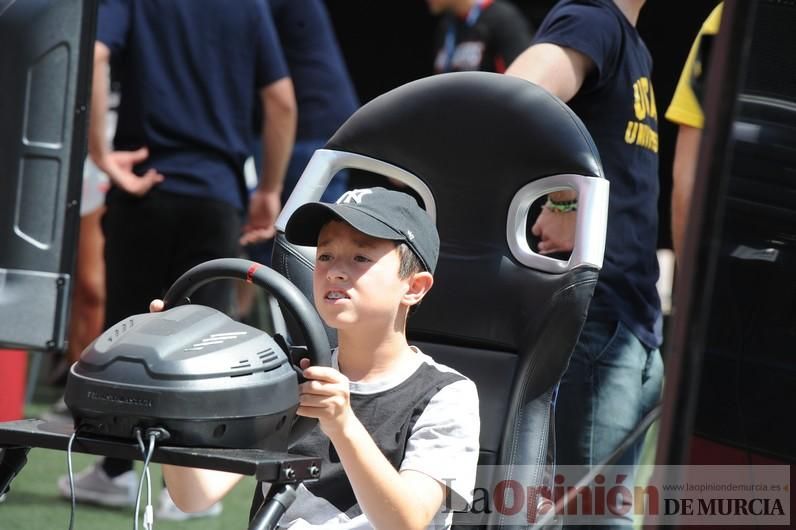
(288, 296)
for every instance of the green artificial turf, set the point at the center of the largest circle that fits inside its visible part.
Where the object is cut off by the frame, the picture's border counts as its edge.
(34, 503)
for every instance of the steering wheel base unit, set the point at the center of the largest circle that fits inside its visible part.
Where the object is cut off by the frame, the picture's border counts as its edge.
(205, 379)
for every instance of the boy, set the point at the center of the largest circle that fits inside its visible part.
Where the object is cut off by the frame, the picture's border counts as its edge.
(393, 448)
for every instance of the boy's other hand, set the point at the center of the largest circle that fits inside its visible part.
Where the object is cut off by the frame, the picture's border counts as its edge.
(325, 396)
(156, 306)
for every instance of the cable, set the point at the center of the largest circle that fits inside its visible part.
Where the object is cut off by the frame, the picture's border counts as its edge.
(147, 454)
(71, 478)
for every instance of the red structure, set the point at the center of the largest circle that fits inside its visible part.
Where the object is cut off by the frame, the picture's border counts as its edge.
(13, 368)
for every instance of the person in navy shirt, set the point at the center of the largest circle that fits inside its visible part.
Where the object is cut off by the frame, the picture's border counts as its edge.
(589, 54)
(191, 72)
(324, 92)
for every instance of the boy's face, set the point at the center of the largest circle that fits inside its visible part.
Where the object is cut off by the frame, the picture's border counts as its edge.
(356, 278)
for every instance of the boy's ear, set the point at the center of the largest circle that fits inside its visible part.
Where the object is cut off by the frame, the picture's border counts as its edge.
(419, 285)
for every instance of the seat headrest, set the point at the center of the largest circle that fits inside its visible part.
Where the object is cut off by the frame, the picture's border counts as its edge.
(479, 149)
(474, 138)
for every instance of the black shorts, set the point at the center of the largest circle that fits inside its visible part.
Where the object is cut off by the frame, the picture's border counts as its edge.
(150, 241)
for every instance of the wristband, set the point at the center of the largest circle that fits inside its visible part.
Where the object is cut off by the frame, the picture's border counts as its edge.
(562, 206)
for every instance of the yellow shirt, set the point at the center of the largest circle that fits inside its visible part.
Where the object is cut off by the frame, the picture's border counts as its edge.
(684, 108)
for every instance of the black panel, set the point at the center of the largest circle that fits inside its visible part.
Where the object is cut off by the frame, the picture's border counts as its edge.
(771, 70)
(748, 383)
(45, 68)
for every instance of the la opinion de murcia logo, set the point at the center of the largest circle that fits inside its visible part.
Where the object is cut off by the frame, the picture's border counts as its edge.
(353, 195)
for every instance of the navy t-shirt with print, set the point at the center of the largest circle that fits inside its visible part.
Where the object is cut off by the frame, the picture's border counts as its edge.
(617, 105)
(190, 71)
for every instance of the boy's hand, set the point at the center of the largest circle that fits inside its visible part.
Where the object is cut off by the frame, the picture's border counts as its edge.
(325, 396)
(156, 306)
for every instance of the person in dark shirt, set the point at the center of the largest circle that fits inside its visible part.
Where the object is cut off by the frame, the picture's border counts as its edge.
(325, 93)
(589, 54)
(483, 35)
(190, 72)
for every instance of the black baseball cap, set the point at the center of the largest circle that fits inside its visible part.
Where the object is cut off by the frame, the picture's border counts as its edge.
(376, 212)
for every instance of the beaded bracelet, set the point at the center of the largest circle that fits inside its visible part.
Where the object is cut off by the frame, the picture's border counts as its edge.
(561, 206)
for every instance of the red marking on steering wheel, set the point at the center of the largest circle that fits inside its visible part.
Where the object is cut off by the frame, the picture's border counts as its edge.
(251, 271)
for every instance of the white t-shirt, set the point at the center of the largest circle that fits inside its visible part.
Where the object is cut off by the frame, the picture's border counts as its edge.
(424, 419)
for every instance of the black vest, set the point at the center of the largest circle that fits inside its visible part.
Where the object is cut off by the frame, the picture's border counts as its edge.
(388, 416)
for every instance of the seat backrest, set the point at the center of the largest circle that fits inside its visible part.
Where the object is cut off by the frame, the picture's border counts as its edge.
(480, 149)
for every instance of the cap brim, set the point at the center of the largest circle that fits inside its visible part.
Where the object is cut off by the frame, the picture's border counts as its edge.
(306, 222)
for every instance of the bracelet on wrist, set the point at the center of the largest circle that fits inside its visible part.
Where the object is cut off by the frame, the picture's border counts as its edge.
(561, 206)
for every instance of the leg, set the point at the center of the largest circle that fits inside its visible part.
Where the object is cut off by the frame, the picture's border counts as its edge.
(208, 229)
(604, 393)
(88, 302)
(139, 235)
(619, 374)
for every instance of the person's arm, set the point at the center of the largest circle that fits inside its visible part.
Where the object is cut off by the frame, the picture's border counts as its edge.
(685, 110)
(390, 499)
(118, 165)
(686, 155)
(278, 134)
(561, 71)
(557, 69)
(98, 147)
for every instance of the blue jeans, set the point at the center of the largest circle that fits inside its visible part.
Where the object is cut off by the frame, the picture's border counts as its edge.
(611, 383)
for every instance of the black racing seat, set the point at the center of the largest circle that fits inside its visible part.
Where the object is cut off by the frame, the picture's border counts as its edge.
(480, 149)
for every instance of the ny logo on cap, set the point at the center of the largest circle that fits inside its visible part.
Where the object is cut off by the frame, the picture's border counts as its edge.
(353, 195)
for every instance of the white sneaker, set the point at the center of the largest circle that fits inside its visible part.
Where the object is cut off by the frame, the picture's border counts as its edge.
(93, 485)
(167, 510)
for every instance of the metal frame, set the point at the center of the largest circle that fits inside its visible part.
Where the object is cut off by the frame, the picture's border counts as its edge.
(591, 217)
(325, 164)
(590, 226)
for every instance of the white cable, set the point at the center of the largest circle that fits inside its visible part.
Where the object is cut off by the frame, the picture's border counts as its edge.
(149, 519)
(141, 480)
(147, 454)
(71, 478)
